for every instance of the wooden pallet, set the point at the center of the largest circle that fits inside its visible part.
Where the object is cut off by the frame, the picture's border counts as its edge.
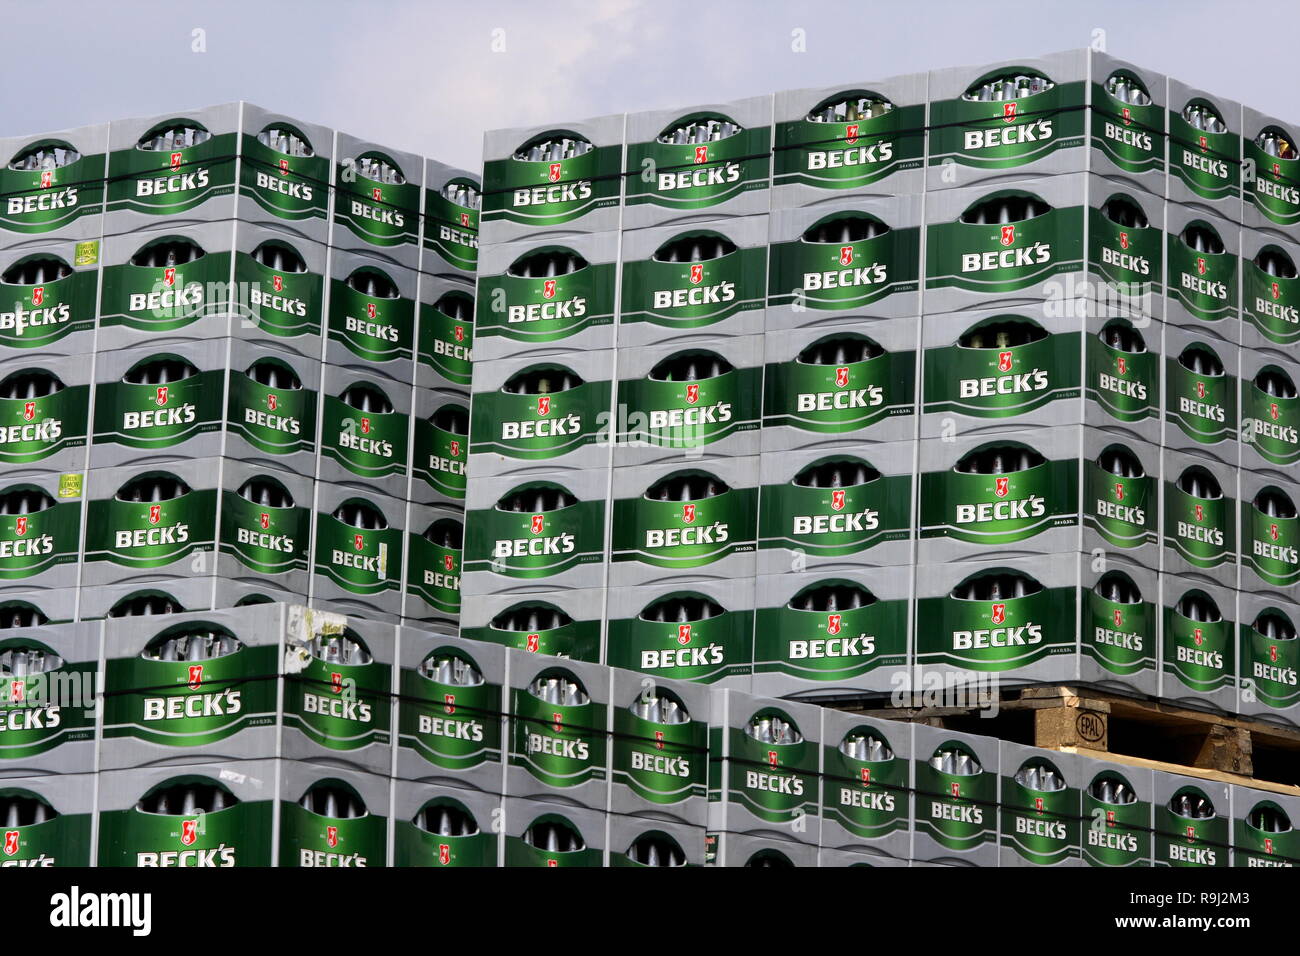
(1084, 719)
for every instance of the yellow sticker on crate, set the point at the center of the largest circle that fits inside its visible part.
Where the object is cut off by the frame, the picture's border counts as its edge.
(87, 253)
(70, 484)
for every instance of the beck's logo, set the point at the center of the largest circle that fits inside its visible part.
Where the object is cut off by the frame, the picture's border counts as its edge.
(1272, 410)
(365, 426)
(1200, 264)
(1123, 240)
(455, 449)
(697, 273)
(1203, 142)
(557, 721)
(1119, 491)
(20, 525)
(47, 178)
(449, 703)
(833, 622)
(683, 634)
(955, 788)
(17, 691)
(176, 160)
(336, 682)
(284, 167)
(196, 675)
(659, 740)
(865, 772)
(548, 289)
(371, 311)
(692, 394)
(444, 854)
(29, 411)
(160, 396)
(38, 295)
(1001, 486)
(538, 523)
(1200, 389)
(264, 520)
(1197, 636)
(155, 514)
(11, 842)
(1277, 292)
(377, 194)
(459, 332)
(841, 376)
(1008, 235)
(701, 154)
(189, 831)
(277, 283)
(851, 133)
(688, 513)
(553, 174)
(1191, 830)
(169, 276)
(1009, 112)
(1127, 116)
(332, 836)
(837, 499)
(1268, 845)
(846, 255)
(999, 613)
(1272, 531)
(272, 401)
(449, 562)
(1272, 653)
(1038, 804)
(1200, 513)
(772, 759)
(359, 542)
(532, 642)
(1005, 360)
(1122, 365)
(1119, 617)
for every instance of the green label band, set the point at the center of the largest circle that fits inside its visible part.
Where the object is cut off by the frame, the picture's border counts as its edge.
(37, 316)
(535, 546)
(1122, 384)
(999, 260)
(1000, 509)
(1200, 531)
(989, 383)
(1120, 638)
(996, 635)
(692, 176)
(849, 155)
(831, 399)
(692, 534)
(546, 310)
(704, 651)
(164, 183)
(363, 562)
(830, 647)
(546, 194)
(1004, 135)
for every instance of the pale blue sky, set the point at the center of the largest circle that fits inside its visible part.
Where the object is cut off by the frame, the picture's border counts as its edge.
(424, 77)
